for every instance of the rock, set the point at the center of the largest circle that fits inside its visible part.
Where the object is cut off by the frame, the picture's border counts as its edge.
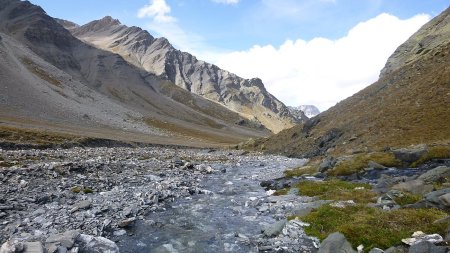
(376, 250)
(91, 244)
(414, 186)
(85, 204)
(12, 246)
(375, 165)
(435, 175)
(66, 239)
(335, 243)
(410, 155)
(275, 229)
(419, 236)
(326, 164)
(33, 247)
(426, 247)
(398, 249)
(445, 200)
(126, 222)
(433, 198)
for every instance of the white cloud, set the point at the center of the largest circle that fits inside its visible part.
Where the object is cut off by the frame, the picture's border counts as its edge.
(158, 10)
(226, 1)
(323, 71)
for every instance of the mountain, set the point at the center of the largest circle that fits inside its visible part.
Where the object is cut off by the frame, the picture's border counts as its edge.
(307, 110)
(248, 97)
(51, 82)
(408, 105)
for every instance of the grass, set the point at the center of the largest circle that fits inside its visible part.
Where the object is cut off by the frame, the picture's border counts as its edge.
(360, 161)
(337, 190)
(407, 198)
(436, 152)
(305, 170)
(78, 189)
(373, 227)
(19, 135)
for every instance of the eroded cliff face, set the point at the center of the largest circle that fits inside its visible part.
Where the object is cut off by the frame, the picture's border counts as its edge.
(248, 97)
(434, 34)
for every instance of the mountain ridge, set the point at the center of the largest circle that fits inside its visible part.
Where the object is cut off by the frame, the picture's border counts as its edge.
(55, 82)
(248, 97)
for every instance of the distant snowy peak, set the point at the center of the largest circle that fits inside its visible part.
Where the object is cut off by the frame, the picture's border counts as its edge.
(309, 110)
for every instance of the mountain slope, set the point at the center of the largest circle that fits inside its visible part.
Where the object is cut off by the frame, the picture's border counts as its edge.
(248, 97)
(50, 80)
(407, 105)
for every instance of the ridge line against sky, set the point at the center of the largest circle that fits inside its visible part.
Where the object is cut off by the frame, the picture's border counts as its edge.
(305, 51)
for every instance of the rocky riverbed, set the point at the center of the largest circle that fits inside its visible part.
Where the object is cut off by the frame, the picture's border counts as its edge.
(149, 200)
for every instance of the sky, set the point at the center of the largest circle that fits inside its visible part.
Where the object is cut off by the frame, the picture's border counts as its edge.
(305, 51)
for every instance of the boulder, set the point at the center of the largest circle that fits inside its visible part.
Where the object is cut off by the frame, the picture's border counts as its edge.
(126, 222)
(426, 247)
(412, 154)
(445, 200)
(437, 174)
(12, 246)
(414, 186)
(434, 198)
(336, 243)
(326, 164)
(275, 229)
(33, 247)
(91, 244)
(375, 165)
(419, 236)
(398, 249)
(85, 204)
(376, 250)
(66, 239)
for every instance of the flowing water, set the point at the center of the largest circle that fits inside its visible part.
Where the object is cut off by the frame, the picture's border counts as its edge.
(226, 220)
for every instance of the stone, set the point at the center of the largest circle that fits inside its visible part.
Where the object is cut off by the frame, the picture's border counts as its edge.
(376, 250)
(336, 243)
(326, 164)
(33, 247)
(414, 186)
(375, 165)
(66, 239)
(91, 244)
(126, 222)
(435, 175)
(433, 198)
(275, 229)
(85, 204)
(398, 249)
(426, 247)
(12, 246)
(419, 236)
(412, 154)
(445, 199)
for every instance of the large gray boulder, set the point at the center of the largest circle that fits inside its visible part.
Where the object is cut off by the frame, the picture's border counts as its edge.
(412, 154)
(336, 243)
(275, 229)
(91, 244)
(435, 175)
(427, 247)
(417, 186)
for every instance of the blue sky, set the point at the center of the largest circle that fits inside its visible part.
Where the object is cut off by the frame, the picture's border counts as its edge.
(232, 32)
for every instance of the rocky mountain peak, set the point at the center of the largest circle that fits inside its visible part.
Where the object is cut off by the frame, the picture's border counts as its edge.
(248, 97)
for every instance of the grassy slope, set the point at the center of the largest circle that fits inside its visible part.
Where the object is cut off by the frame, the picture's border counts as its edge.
(408, 106)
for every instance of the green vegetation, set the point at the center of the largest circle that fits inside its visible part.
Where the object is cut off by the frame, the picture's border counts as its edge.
(436, 152)
(358, 162)
(305, 170)
(78, 189)
(19, 135)
(407, 198)
(338, 190)
(373, 227)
